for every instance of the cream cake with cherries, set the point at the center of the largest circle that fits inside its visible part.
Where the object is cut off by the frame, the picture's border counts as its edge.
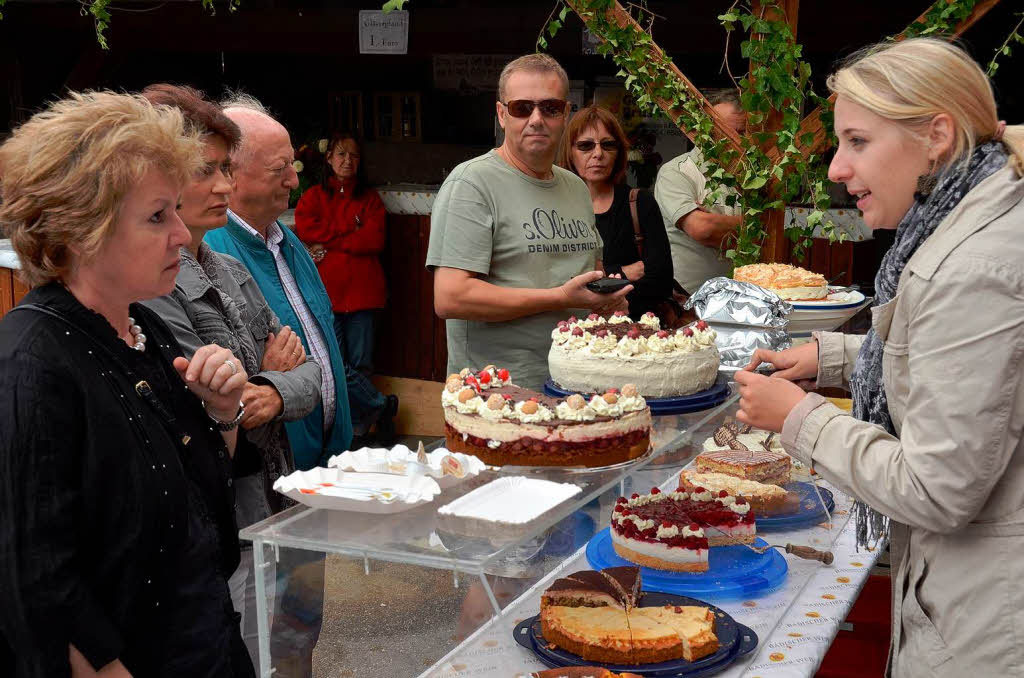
(764, 499)
(591, 354)
(488, 416)
(791, 283)
(674, 530)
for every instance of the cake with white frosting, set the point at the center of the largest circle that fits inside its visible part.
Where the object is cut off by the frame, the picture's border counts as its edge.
(674, 530)
(592, 354)
(488, 416)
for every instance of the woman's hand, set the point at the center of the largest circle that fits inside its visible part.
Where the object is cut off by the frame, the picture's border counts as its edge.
(81, 668)
(283, 351)
(765, 402)
(217, 377)
(633, 271)
(799, 364)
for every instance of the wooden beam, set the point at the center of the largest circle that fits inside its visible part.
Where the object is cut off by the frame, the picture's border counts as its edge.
(776, 247)
(619, 16)
(812, 123)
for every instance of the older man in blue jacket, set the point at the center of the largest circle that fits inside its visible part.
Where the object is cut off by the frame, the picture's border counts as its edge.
(277, 260)
(264, 177)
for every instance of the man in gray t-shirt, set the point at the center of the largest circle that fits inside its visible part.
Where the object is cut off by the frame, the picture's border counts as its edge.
(512, 238)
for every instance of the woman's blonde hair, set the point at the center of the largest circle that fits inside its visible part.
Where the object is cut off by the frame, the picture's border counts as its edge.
(912, 81)
(64, 174)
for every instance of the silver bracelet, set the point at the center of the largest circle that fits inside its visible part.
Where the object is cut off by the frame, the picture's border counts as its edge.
(227, 425)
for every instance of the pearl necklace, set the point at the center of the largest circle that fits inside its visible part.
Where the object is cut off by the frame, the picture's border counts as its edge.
(137, 336)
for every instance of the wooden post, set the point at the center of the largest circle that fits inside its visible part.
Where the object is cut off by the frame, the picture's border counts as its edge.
(776, 247)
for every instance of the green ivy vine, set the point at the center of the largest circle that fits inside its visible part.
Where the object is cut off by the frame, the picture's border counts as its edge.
(760, 181)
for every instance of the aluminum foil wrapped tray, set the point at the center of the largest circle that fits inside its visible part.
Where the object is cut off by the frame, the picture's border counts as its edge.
(724, 300)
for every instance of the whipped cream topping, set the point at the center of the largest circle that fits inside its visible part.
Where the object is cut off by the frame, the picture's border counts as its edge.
(585, 413)
(650, 320)
(602, 407)
(704, 337)
(449, 399)
(493, 444)
(703, 496)
(667, 532)
(542, 414)
(632, 403)
(628, 347)
(641, 524)
(656, 344)
(579, 342)
(492, 415)
(471, 406)
(605, 344)
(587, 323)
(619, 319)
(687, 532)
(560, 337)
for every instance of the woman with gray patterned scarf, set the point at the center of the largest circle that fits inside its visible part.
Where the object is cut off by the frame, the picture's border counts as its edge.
(216, 300)
(934, 451)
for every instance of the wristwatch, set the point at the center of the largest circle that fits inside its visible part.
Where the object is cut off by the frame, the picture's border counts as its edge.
(227, 425)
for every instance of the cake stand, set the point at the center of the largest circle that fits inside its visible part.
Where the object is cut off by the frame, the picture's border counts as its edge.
(717, 394)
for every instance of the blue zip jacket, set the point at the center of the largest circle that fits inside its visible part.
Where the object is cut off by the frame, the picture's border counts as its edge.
(305, 435)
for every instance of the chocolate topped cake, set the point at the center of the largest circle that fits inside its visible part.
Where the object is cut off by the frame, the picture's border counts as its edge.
(491, 418)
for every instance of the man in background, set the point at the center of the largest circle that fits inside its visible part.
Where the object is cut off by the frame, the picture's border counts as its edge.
(696, 231)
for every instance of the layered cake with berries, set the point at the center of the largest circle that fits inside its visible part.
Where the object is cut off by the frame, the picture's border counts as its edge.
(487, 416)
(599, 616)
(674, 530)
(791, 283)
(591, 354)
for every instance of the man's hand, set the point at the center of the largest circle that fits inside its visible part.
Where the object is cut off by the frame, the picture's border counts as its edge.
(81, 668)
(217, 377)
(578, 296)
(283, 352)
(262, 404)
(633, 271)
(766, 402)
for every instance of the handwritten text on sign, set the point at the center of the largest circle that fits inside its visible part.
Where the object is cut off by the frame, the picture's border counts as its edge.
(381, 33)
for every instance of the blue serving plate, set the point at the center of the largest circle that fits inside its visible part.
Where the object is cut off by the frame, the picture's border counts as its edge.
(695, 402)
(733, 572)
(734, 639)
(803, 509)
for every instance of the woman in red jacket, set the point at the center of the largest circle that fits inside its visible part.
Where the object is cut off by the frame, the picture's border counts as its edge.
(345, 219)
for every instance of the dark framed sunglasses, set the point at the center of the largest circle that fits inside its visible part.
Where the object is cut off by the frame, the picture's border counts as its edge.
(523, 108)
(587, 145)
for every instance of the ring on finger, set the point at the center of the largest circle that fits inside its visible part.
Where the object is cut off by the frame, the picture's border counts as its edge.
(231, 364)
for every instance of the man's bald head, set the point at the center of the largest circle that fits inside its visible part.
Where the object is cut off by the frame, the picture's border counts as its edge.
(263, 169)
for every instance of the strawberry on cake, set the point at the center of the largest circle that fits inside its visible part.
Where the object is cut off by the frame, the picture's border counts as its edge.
(673, 531)
(591, 354)
(487, 416)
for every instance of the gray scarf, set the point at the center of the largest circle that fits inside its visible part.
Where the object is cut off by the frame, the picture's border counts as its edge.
(927, 212)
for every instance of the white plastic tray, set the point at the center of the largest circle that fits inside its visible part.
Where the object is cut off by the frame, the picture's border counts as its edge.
(513, 501)
(334, 489)
(401, 460)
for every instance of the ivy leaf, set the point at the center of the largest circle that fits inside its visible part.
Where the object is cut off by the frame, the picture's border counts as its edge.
(392, 5)
(754, 183)
(563, 14)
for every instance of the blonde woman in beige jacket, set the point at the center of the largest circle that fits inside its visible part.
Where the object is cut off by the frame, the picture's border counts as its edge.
(935, 442)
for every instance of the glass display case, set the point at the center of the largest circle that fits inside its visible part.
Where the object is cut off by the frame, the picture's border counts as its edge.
(402, 592)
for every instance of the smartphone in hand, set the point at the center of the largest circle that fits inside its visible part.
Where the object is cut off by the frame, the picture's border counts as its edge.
(607, 285)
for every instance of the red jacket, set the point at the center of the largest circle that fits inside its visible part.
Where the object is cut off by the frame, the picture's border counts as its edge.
(353, 230)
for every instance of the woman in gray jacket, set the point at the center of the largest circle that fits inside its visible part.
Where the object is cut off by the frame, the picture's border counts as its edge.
(935, 441)
(216, 300)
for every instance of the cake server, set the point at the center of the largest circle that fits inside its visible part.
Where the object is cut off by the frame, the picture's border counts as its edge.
(805, 552)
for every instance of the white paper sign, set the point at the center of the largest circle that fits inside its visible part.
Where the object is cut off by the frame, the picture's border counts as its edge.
(381, 33)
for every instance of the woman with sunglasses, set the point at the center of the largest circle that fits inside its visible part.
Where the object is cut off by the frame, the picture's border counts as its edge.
(595, 148)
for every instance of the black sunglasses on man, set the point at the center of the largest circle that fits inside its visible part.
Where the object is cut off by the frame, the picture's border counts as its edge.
(523, 108)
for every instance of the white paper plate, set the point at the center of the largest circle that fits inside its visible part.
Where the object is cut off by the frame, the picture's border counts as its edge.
(332, 488)
(515, 500)
(840, 300)
(401, 460)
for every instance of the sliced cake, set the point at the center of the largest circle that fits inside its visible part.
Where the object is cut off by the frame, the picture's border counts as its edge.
(489, 417)
(673, 531)
(762, 466)
(764, 499)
